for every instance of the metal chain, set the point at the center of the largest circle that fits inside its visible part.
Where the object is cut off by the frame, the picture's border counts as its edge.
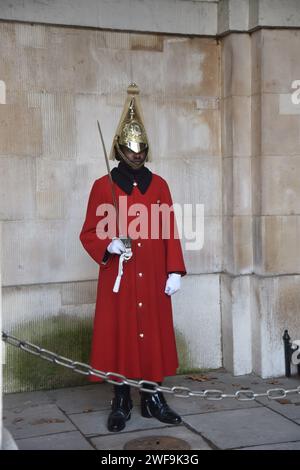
(177, 391)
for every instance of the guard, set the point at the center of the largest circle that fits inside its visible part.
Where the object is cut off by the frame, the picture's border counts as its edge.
(133, 330)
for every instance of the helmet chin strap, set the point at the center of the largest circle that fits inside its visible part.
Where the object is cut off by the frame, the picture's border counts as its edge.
(133, 165)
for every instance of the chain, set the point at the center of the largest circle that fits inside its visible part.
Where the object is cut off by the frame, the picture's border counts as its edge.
(177, 391)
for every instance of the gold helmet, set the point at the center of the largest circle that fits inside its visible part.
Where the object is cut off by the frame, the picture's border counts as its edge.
(131, 131)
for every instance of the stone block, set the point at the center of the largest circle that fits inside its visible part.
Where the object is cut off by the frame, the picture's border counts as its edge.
(202, 174)
(59, 124)
(78, 293)
(257, 38)
(279, 249)
(280, 186)
(275, 303)
(17, 188)
(272, 428)
(256, 126)
(208, 258)
(193, 17)
(23, 303)
(71, 440)
(120, 439)
(45, 251)
(236, 126)
(36, 421)
(227, 127)
(21, 127)
(277, 13)
(238, 244)
(236, 65)
(237, 186)
(236, 324)
(280, 131)
(199, 338)
(286, 44)
(197, 60)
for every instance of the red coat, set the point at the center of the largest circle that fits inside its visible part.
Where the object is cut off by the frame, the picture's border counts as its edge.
(133, 329)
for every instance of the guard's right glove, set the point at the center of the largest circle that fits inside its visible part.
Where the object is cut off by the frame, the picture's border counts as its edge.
(116, 246)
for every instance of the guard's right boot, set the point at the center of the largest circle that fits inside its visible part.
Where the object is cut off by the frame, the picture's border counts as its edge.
(121, 406)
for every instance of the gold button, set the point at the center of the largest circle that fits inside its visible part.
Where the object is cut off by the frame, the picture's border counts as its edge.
(140, 304)
(135, 183)
(140, 274)
(142, 335)
(138, 213)
(139, 244)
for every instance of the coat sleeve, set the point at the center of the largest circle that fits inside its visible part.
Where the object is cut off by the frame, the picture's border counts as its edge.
(92, 243)
(174, 255)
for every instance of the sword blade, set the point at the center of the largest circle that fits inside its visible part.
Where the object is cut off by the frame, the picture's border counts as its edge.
(109, 174)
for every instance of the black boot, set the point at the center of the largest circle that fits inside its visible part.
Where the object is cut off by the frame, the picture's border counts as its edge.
(121, 408)
(154, 404)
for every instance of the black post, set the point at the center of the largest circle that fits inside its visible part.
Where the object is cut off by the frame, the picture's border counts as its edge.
(298, 365)
(287, 353)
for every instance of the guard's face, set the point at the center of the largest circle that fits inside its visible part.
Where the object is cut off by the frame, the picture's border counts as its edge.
(134, 157)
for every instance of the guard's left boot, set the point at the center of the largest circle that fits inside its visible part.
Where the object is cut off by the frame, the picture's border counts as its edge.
(155, 405)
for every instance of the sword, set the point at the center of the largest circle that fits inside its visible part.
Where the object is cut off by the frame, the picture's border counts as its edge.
(109, 174)
(126, 240)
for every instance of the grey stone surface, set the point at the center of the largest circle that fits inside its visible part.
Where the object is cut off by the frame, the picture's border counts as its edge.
(281, 446)
(206, 17)
(188, 17)
(83, 399)
(218, 380)
(76, 417)
(240, 428)
(72, 440)
(36, 421)
(95, 423)
(118, 441)
(8, 442)
(25, 400)
(288, 407)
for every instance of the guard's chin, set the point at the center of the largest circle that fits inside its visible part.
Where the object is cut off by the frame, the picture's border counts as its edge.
(137, 164)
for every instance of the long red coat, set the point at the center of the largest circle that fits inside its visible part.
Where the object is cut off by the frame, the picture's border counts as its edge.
(133, 329)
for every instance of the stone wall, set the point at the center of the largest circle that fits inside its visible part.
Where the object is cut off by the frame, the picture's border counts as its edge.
(260, 148)
(59, 82)
(215, 82)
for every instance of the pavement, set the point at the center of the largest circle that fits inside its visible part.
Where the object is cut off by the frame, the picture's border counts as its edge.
(75, 418)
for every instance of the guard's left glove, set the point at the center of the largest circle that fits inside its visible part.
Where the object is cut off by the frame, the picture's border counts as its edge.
(173, 283)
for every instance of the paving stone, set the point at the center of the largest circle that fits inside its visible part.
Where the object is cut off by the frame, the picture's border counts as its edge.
(95, 397)
(194, 405)
(240, 428)
(36, 421)
(80, 399)
(25, 399)
(219, 381)
(96, 422)
(72, 440)
(62, 418)
(288, 406)
(116, 441)
(281, 446)
(8, 443)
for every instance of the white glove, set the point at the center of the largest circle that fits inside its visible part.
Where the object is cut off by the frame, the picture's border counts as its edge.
(116, 246)
(173, 283)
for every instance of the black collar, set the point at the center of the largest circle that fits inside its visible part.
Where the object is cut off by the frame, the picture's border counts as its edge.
(124, 176)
